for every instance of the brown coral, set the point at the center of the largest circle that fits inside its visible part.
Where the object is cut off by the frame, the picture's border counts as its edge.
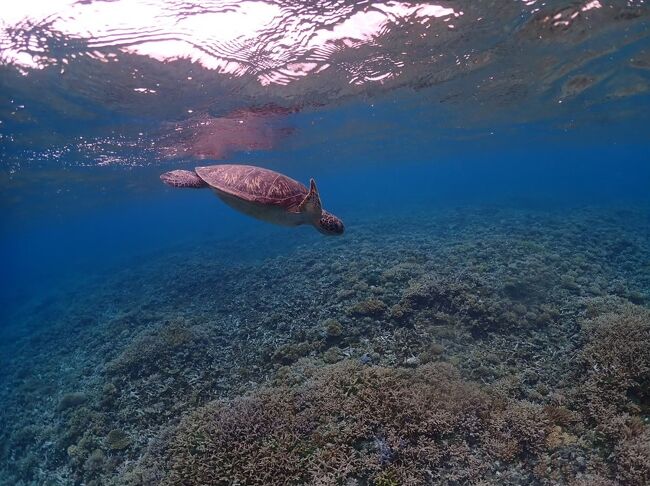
(369, 308)
(349, 421)
(617, 387)
(117, 440)
(633, 459)
(617, 366)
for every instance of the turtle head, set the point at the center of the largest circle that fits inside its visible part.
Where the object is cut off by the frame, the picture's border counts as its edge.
(329, 224)
(325, 222)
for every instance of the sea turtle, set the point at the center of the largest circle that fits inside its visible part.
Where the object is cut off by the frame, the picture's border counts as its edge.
(260, 193)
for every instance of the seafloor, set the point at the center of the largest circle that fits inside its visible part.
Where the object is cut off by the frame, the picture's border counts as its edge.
(454, 346)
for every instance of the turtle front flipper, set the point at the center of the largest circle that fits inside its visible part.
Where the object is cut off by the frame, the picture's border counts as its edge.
(183, 178)
(311, 205)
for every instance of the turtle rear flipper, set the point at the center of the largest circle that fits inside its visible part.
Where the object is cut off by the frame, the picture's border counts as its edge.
(183, 178)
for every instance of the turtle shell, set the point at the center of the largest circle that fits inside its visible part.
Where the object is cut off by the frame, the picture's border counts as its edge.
(254, 184)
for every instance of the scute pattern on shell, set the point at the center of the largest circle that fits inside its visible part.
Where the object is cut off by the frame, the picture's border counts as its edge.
(254, 184)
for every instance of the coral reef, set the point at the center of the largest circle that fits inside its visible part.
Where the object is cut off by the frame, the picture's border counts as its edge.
(480, 346)
(371, 307)
(333, 328)
(117, 440)
(71, 400)
(616, 362)
(376, 424)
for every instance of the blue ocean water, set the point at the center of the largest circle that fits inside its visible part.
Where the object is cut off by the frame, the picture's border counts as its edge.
(483, 319)
(114, 227)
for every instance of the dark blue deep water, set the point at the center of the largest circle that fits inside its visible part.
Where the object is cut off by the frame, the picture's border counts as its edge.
(484, 319)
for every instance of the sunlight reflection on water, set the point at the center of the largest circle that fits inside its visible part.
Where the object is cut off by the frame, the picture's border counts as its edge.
(276, 43)
(128, 82)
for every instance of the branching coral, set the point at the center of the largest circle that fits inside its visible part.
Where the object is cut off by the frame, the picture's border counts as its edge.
(616, 360)
(616, 391)
(117, 440)
(370, 307)
(370, 423)
(633, 459)
(149, 351)
(499, 296)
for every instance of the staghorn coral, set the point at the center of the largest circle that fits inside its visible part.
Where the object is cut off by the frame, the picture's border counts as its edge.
(387, 426)
(633, 459)
(472, 303)
(615, 393)
(368, 308)
(149, 352)
(616, 361)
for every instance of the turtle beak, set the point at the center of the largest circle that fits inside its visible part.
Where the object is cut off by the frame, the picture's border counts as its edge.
(330, 225)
